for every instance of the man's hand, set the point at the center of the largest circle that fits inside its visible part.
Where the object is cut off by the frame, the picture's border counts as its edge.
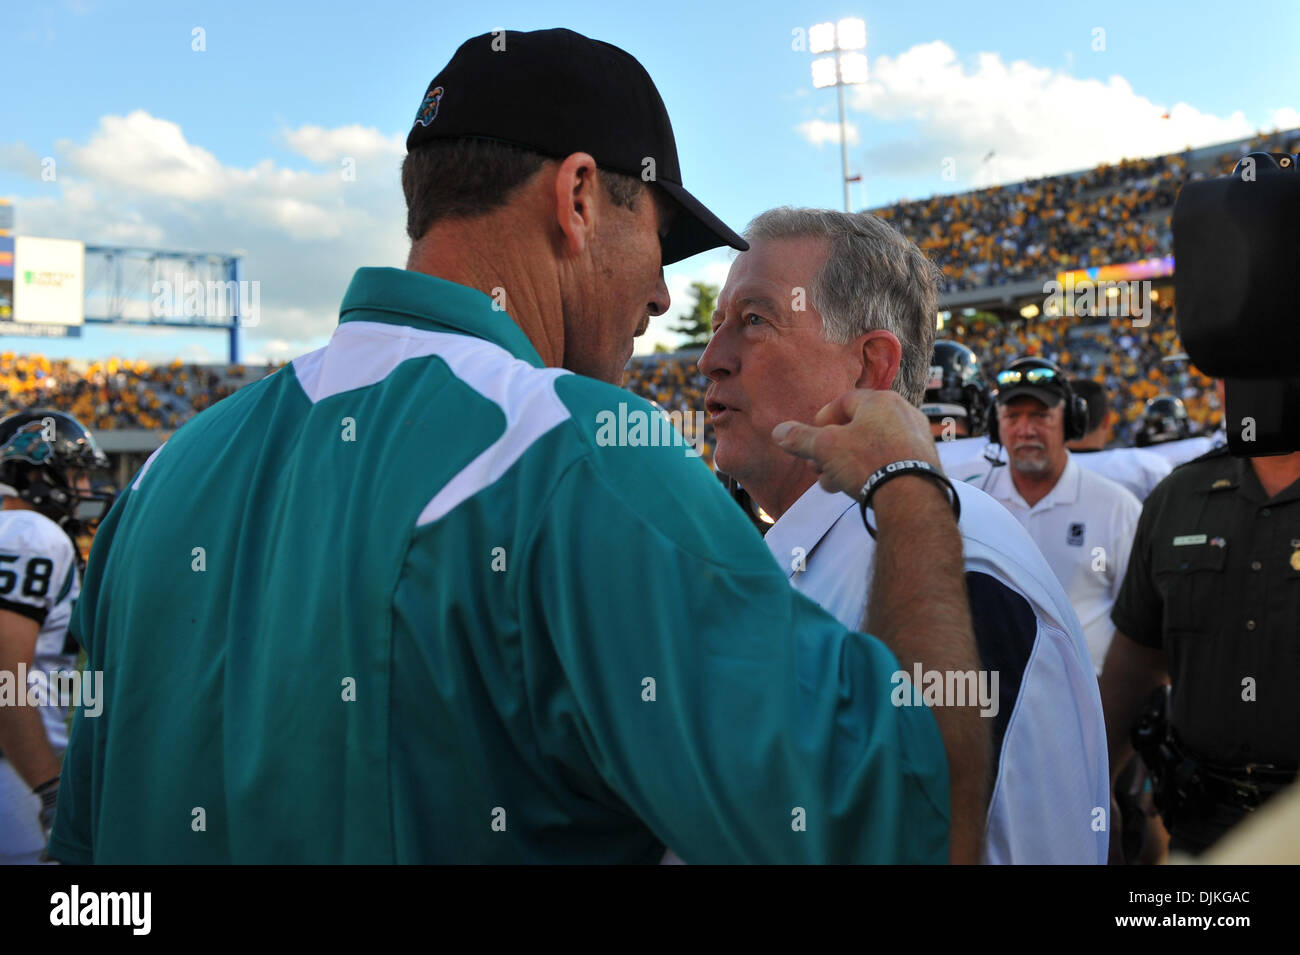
(856, 435)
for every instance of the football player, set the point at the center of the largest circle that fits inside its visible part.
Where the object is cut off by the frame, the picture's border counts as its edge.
(46, 460)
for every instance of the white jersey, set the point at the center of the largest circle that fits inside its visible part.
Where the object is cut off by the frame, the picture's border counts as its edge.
(38, 579)
(1134, 468)
(1179, 452)
(1084, 526)
(1052, 781)
(963, 459)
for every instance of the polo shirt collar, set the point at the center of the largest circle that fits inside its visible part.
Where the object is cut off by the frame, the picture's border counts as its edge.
(1066, 490)
(403, 297)
(807, 521)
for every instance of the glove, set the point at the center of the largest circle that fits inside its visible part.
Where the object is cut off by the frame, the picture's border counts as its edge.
(49, 794)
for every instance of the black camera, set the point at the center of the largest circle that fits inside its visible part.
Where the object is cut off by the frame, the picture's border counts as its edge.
(1237, 255)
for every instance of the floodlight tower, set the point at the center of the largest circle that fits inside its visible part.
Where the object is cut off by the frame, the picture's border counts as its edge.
(848, 67)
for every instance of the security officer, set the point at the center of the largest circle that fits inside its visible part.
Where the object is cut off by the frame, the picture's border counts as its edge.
(1210, 604)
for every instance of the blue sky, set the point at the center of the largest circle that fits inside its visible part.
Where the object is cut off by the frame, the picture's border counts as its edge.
(238, 147)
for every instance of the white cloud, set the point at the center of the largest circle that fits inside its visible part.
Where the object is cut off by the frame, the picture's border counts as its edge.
(819, 131)
(1038, 120)
(139, 181)
(355, 141)
(20, 159)
(1285, 118)
(147, 155)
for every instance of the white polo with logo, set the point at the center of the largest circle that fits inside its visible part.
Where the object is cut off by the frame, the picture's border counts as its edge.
(1084, 527)
(1050, 801)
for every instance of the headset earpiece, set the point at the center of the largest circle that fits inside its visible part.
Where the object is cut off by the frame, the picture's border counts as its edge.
(1076, 417)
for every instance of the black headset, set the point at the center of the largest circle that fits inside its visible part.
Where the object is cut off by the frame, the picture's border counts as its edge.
(1075, 418)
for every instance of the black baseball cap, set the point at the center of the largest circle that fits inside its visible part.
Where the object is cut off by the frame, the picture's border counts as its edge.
(1032, 378)
(558, 92)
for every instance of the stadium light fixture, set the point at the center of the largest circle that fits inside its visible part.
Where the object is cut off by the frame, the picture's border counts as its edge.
(1029, 311)
(823, 72)
(851, 34)
(846, 68)
(853, 69)
(821, 37)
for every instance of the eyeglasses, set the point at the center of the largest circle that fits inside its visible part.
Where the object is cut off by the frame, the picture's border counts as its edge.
(1032, 376)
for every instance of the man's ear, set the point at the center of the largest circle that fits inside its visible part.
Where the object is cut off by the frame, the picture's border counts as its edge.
(881, 357)
(575, 202)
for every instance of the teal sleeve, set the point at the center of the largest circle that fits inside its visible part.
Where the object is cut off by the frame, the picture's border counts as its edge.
(72, 838)
(731, 714)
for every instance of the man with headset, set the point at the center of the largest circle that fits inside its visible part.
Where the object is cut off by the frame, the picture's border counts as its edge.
(1082, 522)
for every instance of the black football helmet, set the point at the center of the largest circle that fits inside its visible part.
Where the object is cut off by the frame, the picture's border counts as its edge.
(38, 450)
(956, 387)
(1164, 419)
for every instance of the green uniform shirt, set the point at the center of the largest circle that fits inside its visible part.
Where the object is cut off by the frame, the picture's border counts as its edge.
(402, 601)
(1214, 580)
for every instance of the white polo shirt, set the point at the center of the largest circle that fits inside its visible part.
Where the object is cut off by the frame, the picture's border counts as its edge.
(1134, 468)
(1084, 527)
(1052, 782)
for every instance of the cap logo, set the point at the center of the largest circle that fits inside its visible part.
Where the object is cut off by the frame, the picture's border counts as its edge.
(429, 108)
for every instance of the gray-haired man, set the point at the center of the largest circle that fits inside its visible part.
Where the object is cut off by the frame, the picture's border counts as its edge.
(824, 302)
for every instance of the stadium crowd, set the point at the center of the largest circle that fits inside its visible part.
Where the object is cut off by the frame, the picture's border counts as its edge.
(114, 394)
(991, 237)
(1004, 234)
(1133, 364)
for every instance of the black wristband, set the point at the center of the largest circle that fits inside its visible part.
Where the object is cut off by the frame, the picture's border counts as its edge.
(48, 792)
(891, 471)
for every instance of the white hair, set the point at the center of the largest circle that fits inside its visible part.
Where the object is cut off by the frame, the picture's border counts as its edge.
(873, 278)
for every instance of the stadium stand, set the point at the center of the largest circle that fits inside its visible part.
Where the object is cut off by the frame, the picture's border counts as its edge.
(1113, 213)
(991, 238)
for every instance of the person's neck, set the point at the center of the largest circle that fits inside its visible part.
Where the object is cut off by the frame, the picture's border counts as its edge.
(779, 496)
(1277, 473)
(1093, 441)
(481, 254)
(15, 504)
(1033, 489)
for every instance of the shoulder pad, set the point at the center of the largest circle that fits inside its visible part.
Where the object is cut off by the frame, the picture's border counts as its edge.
(32, 534)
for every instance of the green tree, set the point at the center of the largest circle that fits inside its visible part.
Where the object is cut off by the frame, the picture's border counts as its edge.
(697, 324)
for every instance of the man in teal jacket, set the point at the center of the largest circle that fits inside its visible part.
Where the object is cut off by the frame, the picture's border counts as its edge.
(406, 601)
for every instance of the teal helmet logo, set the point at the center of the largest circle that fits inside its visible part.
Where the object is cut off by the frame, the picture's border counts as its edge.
(28, 445)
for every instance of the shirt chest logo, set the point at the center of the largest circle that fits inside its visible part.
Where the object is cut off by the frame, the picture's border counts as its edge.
(1074, 537)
